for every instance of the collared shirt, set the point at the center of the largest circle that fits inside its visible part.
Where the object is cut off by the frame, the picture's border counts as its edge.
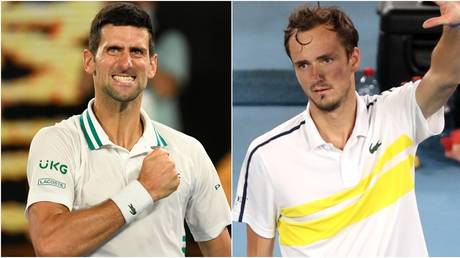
(74, 163)
(323, 201)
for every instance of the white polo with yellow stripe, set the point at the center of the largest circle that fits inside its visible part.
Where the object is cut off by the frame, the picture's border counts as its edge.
(74, 163)
(322, 201)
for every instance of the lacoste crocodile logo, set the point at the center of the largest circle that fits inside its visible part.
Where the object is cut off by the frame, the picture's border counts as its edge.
(132, 210)
(374, 148)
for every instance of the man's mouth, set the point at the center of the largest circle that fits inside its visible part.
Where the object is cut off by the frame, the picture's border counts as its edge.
(321, 88)
(123, 78)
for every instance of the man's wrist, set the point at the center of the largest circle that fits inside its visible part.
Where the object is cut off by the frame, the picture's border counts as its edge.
(132, 200)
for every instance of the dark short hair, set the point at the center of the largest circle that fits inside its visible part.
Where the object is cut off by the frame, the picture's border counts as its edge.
(306, 17)
(119, 14)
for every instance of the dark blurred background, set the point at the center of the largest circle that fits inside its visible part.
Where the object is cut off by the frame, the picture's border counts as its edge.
(43, 82)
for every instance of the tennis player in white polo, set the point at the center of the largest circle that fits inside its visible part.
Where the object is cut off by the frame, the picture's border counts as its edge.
(338, 179)
(112, 182)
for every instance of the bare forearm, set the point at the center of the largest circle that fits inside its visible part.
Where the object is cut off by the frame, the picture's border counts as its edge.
(445, 59)
(75, 233)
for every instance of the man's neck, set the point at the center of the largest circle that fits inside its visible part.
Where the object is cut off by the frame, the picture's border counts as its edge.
(336, 126)
(121, 121)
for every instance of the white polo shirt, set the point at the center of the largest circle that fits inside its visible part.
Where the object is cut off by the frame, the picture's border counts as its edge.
(323, 201)
(75, 164)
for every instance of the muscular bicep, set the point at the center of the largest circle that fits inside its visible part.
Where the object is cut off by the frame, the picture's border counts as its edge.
(41, 211)
(257, 245)
(431, 94)
(43, 219)
(219, 246)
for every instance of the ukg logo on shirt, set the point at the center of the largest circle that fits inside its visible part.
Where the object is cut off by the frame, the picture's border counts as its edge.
(53, 165)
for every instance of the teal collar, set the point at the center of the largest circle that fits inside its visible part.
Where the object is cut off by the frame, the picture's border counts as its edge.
(96, 137)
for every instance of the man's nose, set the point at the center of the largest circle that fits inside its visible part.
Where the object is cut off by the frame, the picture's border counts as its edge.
(125, 60)
(316, 72)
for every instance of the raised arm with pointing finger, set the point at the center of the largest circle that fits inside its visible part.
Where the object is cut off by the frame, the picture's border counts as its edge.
(442, 78)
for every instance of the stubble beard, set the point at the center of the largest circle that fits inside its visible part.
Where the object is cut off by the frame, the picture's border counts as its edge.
(329, 106)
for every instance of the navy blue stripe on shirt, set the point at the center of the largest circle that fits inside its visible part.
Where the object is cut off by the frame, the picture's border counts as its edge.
(245, 188)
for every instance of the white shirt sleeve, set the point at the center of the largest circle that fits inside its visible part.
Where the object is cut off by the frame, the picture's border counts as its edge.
(403, 106)
(50, 168)
(207, 212)
(255, 201)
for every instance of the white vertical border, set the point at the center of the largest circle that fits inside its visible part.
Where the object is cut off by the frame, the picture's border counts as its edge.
(231, 124)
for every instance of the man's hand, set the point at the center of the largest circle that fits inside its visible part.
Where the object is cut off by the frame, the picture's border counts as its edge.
(159, 175)
(450, 15)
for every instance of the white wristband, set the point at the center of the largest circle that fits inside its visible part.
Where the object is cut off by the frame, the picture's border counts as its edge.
(132, 200)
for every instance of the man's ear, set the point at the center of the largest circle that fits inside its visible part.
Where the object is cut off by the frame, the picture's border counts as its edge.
(355, 59)
(153, 66)
(88, 61)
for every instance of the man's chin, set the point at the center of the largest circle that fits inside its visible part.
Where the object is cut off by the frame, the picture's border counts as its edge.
(326, 106)
(124, 98)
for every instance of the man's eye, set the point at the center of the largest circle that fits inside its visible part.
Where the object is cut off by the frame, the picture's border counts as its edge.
(113, 50)
(327, 60)
(137, 52)
(302, 66)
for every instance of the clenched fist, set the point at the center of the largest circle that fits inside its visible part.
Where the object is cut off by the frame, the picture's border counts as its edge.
(159, 175)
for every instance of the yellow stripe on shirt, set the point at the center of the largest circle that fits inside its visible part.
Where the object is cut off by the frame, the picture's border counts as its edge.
(392, 150)
(389, 187)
